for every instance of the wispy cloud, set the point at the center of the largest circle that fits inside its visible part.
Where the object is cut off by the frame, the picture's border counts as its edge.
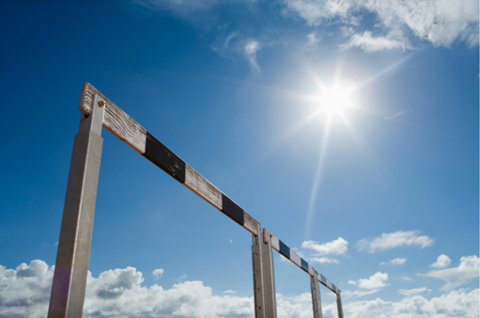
(250, 49)
(397, 114)
(369, 43)
(235, 44)
(396, 261)
(439, 22)
(458, 276)
(388, 241)
(414, 291)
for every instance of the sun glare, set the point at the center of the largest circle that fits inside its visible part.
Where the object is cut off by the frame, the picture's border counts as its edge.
(335, 101)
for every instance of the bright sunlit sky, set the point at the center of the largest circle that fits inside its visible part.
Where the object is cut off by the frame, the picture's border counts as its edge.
(349, 129)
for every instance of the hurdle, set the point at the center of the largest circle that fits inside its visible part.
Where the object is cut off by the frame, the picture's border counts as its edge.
(73, 253)
(273, 242)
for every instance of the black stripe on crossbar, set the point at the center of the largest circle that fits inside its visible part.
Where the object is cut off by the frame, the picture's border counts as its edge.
(232, 210)
(164, 158)
(304, 265)
(284, 249)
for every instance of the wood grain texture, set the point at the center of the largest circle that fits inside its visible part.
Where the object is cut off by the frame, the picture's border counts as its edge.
(116, 120)
(251, 224)
(202, 187)
(311, 270)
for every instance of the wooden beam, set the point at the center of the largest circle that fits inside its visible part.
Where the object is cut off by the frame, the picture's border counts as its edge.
(293, 257)
(133, 134)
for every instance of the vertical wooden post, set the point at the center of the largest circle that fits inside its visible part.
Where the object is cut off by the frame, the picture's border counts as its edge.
(258, 286)
(269, 277)
(339, 306)
(73, 254)
(316, 300)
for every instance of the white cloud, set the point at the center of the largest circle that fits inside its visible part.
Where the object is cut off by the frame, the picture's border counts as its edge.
(229, 291)
(323, 260)
(25, 291)
(392, 240)
(396, 261)
(441, 22)
(458, 276)
(359, 293)
(442, 261)
(315, 12)
(181, 278)
(370, 43)
(335, 247)
(235, 45)
(250, 49)
(377, 280)
(158, 273)
(407, 278)
(457, 303)
(363, 309)
(414, 291)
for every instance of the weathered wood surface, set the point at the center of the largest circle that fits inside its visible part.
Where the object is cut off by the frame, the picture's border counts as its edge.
(204, 188)
(116, 120)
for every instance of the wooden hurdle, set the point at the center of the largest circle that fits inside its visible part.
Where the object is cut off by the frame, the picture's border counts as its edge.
(73, 254)
(272, 242)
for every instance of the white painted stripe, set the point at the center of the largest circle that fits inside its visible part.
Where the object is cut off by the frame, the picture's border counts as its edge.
(295, 258)
(328, 283)
(275, 243)
(201, 186)
(311, 270)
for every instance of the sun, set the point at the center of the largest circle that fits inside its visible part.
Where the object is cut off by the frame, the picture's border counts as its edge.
(334, 101)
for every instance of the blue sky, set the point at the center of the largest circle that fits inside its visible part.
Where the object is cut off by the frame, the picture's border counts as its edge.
(382, 200)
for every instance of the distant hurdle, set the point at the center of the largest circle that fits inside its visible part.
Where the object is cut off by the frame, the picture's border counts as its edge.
(73, 254)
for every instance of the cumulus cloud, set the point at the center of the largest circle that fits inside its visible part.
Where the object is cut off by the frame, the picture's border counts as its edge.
(442, 261)
(25, 291)
(414, 291)
(377, 280)
(321, 250)
(441, 22)
(396, 261)
(335, 247)
(158, 273)
(387, 241)
(458, 276)
(458, 303)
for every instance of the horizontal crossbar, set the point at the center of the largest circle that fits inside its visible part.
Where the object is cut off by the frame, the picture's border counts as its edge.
(293, 257)
(133, 134)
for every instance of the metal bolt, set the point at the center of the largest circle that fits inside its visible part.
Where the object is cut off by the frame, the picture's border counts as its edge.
(101, 103)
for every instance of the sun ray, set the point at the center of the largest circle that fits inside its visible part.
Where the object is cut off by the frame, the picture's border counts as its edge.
(318, 174)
